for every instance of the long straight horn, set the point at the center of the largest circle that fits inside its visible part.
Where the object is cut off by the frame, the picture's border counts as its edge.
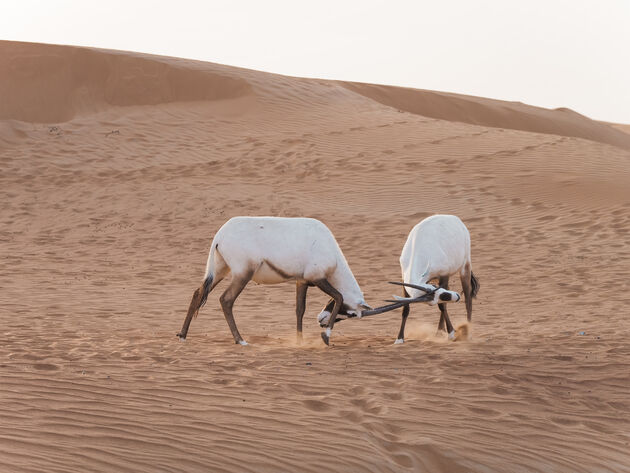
(396, 305)
(415, 286)
(378, 310)
(385, 308)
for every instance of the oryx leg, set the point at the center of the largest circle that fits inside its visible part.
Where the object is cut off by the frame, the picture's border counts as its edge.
(239, 281)
(405, 314)
(198, 298)
(443, 312)
(326, 287)
(465, 277)
(193, 310)
(300, 305)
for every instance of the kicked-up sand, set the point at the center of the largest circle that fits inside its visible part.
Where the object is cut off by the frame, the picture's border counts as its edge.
(117, 170)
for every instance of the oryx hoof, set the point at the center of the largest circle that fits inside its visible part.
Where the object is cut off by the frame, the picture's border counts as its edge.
(326, 338)
(242, 343)
(399, 341)
(182, 338)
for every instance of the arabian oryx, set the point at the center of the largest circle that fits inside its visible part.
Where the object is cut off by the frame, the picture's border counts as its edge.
(270, 250)
(437, 247)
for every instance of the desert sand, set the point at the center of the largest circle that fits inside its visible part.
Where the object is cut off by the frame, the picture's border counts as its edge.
(117, 170)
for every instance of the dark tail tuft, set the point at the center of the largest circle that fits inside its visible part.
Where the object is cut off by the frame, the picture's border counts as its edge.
(200, 297)
(475, 284)
(198, 300)
(205, 290)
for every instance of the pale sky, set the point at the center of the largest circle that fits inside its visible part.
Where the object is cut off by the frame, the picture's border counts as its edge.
(550, 53)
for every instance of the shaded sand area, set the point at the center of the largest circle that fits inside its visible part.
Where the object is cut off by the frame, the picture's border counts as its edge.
(117, 169)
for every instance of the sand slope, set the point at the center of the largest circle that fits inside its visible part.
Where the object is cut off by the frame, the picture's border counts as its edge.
(493, 113)
(109, 206)
(44, 83)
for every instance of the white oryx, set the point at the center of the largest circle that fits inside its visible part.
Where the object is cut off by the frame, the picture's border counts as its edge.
(437, 247)
(270, 250)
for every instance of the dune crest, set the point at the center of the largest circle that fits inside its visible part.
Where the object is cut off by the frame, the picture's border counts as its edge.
(493, 113)
(49, 83)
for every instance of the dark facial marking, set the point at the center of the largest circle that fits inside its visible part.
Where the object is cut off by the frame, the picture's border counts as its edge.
(445, 296)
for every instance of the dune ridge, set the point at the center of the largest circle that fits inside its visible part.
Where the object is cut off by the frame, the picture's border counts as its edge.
(493, 113)
(106, 222)
(51, 83)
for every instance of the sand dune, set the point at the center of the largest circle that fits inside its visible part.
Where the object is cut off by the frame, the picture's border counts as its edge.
(493, 113)
(44, 83)
(117, 169)
(620, 126)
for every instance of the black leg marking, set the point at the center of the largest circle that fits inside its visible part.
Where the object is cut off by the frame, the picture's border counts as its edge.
(326, 287)
(300, 305)
(443, 312)
(227, 302)
(449, 326)
(469, 289)
(405, 314)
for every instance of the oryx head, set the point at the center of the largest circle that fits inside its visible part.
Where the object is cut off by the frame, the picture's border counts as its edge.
(428, 293)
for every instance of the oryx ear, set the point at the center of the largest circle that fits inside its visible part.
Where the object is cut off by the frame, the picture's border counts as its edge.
(364, 306)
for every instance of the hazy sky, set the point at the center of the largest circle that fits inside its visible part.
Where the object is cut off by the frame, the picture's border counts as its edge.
(551, 53)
